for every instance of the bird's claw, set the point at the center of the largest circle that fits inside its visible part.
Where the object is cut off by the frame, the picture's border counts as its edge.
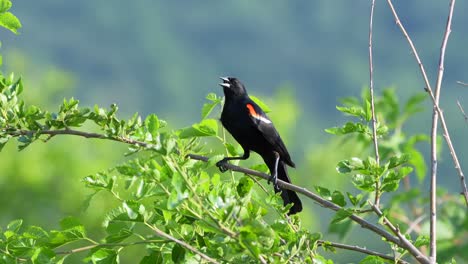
(274, 179)
(222, 165)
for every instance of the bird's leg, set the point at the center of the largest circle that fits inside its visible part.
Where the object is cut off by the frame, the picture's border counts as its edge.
(274, 173)
(222, 163)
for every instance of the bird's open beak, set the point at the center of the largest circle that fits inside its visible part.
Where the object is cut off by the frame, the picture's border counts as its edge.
(227, 85)
(225, 82)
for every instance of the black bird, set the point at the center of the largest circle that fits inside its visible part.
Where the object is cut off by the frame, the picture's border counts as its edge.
(254, 131)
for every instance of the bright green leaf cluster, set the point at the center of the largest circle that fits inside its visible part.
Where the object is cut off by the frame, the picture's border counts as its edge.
(7, 19)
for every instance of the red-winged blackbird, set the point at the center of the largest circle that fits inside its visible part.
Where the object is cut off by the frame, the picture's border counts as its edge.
(254, 131)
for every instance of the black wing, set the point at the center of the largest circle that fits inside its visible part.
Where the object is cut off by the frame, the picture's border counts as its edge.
(261, 121)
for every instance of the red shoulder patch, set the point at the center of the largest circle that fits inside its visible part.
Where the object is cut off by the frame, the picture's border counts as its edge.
(251, 110)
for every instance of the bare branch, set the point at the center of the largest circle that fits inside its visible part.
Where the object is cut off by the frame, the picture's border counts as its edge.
(180, 242)
(371, 88)
(407, 244)
(360, 249)
(85, 248)
(463, 111)
(436, 105)
(462, 83)
(435, 119)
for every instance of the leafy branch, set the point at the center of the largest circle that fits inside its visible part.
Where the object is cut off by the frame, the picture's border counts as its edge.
(147, 136)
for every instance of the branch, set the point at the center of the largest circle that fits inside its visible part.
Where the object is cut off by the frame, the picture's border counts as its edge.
(435, 119)
(180, 242)
(360, 249)
(407, 244)
(325, 203)
(463, 111)
(53, 133)
(435, 103)
(371, 88)
(81, 249)
(400, 241)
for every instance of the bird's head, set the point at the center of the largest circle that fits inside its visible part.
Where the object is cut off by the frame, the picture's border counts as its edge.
(232, 87)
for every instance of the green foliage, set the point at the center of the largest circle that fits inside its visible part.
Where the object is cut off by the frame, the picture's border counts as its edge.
(399, 158)
(163, 197)
(7, 19)
(182, 210)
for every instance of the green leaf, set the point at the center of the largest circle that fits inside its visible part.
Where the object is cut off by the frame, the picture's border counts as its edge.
(15, 225)
(364, 182)
(3, 140)
(152, 123)
(104, 256)
(154, 258)
(70, 222)
(175, 199)
(413, 105)
(207, 108)
(133, 209)
(341, 215)
(417, 160)
(119, 236)
(372, 260)
(348, 128)
(178, 253)
(25, 141)
(260, 103)
(207, 127)
(355, 200)
(397, 161)
(244, 186)
(10, 21)
(368, 111)
(5, 5)
(231, 149)
(249, 241)
(338, 198)
(404, 171)
(342, 228)
(212, 97)
(422, 240)
(323, 192)
(36, 233)
(353, 111)
(43, 256)
(347, 166)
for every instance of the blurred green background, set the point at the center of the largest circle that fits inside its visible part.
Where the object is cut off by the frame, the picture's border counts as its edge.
(163, 57)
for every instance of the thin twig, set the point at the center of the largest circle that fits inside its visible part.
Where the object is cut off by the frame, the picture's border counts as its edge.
(435, 119)
(462, 83)
(414, 225)
(180, 242)
(360, 249)
(463, 111)
(407, 244)
(371, 88)
(262, 260)
(52, 133)
(85, 248)
(436, 105)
